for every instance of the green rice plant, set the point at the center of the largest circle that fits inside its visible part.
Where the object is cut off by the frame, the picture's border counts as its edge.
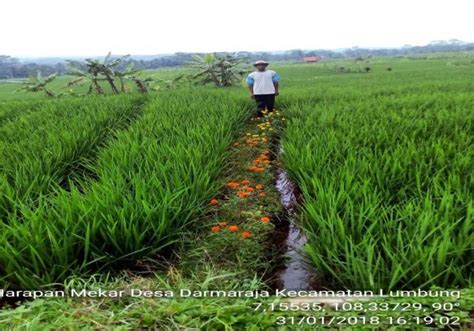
(48, 148)
(153, 179)
(387, 184)
(12, 109)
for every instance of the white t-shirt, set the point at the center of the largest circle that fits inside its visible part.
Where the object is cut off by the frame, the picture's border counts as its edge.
(262, 81)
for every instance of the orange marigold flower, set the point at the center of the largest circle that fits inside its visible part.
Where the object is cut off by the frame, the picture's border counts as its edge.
(259, 169)
(233, 184)
(214, 202)
(253, 168)
(266, 161)
(216, 228)
(233, 228)
(243, 194)
(249, 189)
(245, 182)
(265, 219)
(245, 234)
(259, 187)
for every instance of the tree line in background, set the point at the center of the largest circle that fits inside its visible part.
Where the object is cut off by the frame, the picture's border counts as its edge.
(13, 68)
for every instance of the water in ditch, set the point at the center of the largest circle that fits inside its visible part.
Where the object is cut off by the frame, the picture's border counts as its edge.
(295, 273)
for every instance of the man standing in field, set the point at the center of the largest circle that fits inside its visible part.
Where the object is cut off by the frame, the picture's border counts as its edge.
(263, 86)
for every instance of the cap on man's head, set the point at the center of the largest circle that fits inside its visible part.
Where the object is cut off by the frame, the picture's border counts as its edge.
(260, 62)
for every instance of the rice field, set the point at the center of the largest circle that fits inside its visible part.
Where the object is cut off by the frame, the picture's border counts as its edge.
(385, 165)
(50, 145)
(383, 161)
(387, 187)
(130, 199)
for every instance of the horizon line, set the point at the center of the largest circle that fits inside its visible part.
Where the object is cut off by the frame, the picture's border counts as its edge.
(239, 51)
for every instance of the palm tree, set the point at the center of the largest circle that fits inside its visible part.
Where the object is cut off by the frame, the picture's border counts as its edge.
(38, 84)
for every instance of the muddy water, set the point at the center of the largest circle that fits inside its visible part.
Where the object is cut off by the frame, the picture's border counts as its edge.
(296, 274)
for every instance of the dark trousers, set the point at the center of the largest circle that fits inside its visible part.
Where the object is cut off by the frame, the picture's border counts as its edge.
(264, 101)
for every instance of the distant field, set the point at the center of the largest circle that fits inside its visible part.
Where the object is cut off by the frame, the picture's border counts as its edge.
(295, 74)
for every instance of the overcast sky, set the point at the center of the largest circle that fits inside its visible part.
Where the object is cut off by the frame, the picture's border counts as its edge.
(93, 27)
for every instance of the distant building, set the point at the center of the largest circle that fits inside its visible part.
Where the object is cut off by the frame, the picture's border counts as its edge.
(311, 59)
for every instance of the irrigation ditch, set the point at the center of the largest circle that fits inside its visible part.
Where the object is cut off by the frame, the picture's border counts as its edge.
(291, 268)
(296, 273)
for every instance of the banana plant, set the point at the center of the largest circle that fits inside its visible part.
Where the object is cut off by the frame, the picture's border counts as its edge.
(135, 75)
(171, 84)
(206, 65)
(96, 71)
(221, 71)
(143, 84)
(128, 73)
(39, 84)
(108, 69)
(91, 75)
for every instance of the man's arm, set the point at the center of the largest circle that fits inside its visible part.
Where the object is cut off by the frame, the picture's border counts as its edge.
(250, 82)
(276, 88)
(276, 79)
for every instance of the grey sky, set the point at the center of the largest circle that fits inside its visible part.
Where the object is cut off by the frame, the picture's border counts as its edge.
(93, 27)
